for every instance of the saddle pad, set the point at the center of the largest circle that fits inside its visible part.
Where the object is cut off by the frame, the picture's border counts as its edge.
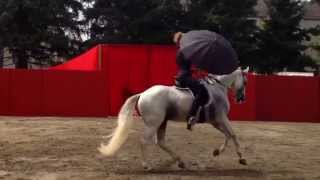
(182, 89)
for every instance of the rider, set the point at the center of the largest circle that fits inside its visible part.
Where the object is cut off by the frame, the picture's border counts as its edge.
(185, 79)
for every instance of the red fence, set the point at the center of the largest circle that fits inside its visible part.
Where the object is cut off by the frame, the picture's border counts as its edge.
(88, 61)
(53, 93)
(106, 75)
(248, 109)
(288, 98)
(132, 69)
(75, 93)
(4, 91)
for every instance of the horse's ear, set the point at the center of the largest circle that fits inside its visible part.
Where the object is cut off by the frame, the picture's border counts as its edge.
(246, 70)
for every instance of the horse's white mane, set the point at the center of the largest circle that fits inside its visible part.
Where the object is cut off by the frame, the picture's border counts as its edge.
(228, 79)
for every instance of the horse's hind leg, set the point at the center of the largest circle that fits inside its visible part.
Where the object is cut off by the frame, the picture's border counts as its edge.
(147, 139)
(161, 133)
(151, 125)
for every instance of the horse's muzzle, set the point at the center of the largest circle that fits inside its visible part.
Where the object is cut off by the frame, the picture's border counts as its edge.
(240, 97)
(241, 100)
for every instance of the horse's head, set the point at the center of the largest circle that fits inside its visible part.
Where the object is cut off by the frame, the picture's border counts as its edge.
(239, 84)
(236, 81)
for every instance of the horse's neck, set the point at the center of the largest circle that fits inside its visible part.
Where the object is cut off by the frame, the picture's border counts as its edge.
(226, 80)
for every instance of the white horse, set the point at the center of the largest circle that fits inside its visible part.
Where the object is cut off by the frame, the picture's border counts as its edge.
(159, 104)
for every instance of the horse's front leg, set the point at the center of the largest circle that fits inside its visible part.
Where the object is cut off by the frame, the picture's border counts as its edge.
(220, 150)
(217, 152)
(237, 145)
(224, 126)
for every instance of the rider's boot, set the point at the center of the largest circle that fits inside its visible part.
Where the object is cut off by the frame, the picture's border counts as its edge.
(192, 116)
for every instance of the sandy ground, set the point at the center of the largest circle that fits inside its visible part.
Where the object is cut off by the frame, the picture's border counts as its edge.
(52, 148)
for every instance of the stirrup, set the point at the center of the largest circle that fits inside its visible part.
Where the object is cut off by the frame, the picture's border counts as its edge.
(191, 122)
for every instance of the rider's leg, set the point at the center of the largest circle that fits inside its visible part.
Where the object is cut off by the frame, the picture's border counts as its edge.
(184, 79)
(201, 96)
(192, 113)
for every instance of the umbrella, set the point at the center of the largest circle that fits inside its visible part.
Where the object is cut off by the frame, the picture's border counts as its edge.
(209, 51)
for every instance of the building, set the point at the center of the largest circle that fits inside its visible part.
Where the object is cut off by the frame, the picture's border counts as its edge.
(311, 19)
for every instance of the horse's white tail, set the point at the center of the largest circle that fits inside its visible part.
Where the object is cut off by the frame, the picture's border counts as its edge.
(120, 134)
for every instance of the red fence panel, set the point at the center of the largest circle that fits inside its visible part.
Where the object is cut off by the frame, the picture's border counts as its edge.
(75, 93)
(318, 90)
(246, 110)
(284, 98)
(139, 68)
(304, 102)
(126, 68)
(88, 61)
(26, 92)
(4, 91)
(162, 67)
(264, 103)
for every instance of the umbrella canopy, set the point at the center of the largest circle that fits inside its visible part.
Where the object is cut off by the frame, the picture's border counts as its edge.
(209, 51)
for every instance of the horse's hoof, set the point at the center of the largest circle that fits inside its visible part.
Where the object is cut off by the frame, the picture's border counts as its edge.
(216, 152)
(243, 161)
(146, 167)
(181, 165)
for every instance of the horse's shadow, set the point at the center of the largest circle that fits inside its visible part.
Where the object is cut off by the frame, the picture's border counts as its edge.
(162, 169)
(198, 173)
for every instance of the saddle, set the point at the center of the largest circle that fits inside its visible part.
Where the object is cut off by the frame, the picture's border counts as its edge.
(203, 111)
